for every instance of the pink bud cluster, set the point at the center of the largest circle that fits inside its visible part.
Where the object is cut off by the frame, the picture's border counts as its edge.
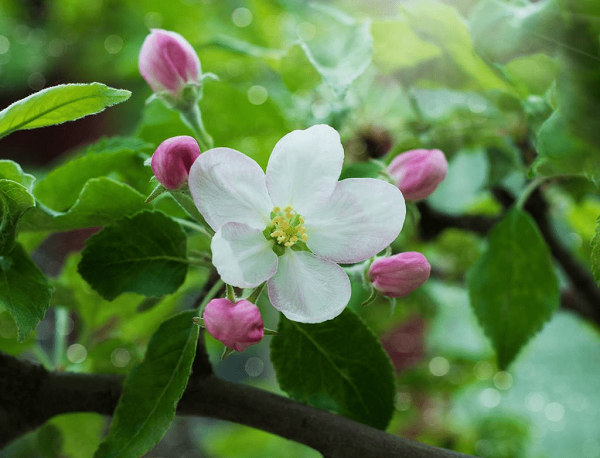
(172, 160)
(399, 275)
(237, 324)
(168, 63)
(419, 172)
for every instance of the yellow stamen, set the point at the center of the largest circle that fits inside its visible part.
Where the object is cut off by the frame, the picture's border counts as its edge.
(286, 226)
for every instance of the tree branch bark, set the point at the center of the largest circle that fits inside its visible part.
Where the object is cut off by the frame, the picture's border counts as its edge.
(30, 396)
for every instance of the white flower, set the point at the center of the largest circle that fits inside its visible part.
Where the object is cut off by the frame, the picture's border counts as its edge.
(293, 225)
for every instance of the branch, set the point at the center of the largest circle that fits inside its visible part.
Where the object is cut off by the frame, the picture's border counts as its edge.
(585, 297)
(30, 395)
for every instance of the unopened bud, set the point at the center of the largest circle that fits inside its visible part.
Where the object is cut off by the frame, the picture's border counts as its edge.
(399, 275)
(419, 172)
(168, 63)
(172, 160)
(237, 324)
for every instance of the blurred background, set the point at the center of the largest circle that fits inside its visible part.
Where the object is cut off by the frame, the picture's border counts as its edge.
(476, 79)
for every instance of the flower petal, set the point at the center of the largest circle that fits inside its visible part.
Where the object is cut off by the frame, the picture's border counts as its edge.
(363, 216)
(304, 168)
(242, 255)
(228, 186)
(307, 288)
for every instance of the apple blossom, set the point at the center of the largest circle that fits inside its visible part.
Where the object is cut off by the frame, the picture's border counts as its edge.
(168, 63)
(293, 225)
(172, 160)
(419, 172)
(399, 275)
(237, 324)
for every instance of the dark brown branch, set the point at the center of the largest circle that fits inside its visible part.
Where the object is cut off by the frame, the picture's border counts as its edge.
(29, 396)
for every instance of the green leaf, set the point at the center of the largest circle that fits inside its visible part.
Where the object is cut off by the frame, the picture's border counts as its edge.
(396, 45)
(512, 286)
(120, 158)
(24, 290)
(10, 170)
(337, 365)
(81, 433)
(535, 73)
(518, 28)
(152, 390)
(15, 200)
(101, 201)
(561, 152)
(58, 104)
(443, 25)
(144, 254)
(342, 48)
(596, 252)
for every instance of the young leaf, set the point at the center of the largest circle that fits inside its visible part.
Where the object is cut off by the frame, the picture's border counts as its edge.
(143, 254)
(152, 390)
(24, 290)
(337, 365)
(14, 201)
(58, 104)
(512, 286)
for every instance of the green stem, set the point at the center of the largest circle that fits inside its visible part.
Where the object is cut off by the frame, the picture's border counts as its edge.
(193, 119)
(231, 294)
(209, 296)
(60, 336)
(253, 297)
(197, 227)
(532, 186)
(187, 204)
(42, 357)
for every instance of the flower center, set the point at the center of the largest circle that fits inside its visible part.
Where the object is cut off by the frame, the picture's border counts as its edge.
(287, 227)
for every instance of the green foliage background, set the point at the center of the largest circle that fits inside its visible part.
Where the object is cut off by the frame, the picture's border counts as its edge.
(509, 90)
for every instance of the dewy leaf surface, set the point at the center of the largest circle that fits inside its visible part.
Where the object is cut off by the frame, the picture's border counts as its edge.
(512, 286)
(152, 390)
(337, 365)
(24, 290)
(58, 104)
(143, 254)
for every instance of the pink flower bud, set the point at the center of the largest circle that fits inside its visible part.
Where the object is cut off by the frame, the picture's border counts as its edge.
(418, 172)
(172, 160)
(399, 275)
(238, 325)
(168, 62)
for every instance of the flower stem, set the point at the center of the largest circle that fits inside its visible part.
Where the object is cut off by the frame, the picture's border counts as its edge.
(209, 296)
(253, 297)
(196, 227)
(231, 293)
(532, 186)
(186, 202)
(60, 336)
(193, 119)
(42, 357)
